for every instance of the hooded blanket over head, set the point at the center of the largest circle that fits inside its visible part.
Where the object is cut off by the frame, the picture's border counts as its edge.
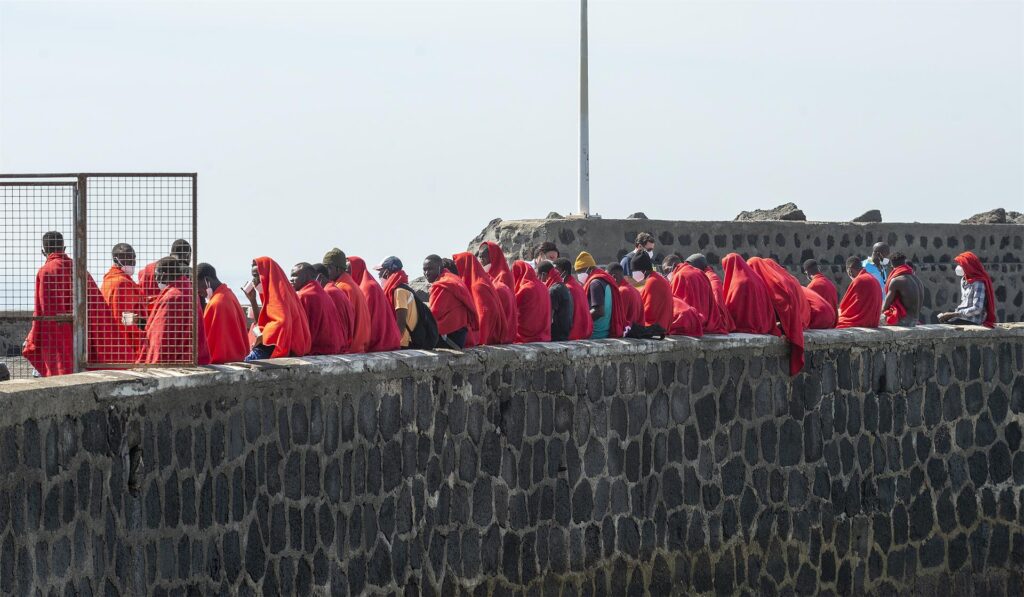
(691, 285)
(685, 319)
(862, 303)
(747, 298)
(282, 320)
(488, 305)
(361, 321)
(826, 289)
(533, 303)
(582, 322)
(501, 277)
(224, 322)
(974, 271)
(327, 336)
(343, 306)
(617, 323)
(173, 321)
(791, 309)
(656, 296)
(452, 305)
(383, 327)
(823, 316)
(632, 303)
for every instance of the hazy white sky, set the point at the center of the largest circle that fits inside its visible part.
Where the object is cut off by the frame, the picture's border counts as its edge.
(404, 127)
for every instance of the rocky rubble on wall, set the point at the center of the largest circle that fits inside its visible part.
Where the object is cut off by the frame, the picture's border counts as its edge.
(871, 215)
(995, 216)
(788, 211)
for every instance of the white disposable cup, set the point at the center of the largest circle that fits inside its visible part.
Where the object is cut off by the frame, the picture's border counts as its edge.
(128, 318)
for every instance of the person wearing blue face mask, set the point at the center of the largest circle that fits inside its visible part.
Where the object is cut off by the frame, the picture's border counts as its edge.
(878, 264)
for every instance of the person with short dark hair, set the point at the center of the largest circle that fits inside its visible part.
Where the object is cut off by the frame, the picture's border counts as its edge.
(878, 264)
(359, 313)
(451, 303)
(326, 334)
(546, 251)
(562, 309)
(820, 284)
(655, 294)
(904, 294)
(175, 321)
(582, 322)
(632, 302)
(669, 264)
(127, 304)
(181, 250)
(862, 304)
(644, 244)
(977, 299)
(49, 346)
(223, 318)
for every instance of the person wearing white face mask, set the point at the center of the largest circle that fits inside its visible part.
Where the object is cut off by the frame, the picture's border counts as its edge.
(878, 264)
(127, 303)
(656, 293)
(644, 244)
(977, 298)
(223, 318)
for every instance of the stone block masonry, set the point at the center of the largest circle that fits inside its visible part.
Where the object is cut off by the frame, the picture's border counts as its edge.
(893, 464)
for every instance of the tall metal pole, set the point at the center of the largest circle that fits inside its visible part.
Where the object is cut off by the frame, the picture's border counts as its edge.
(584, 198)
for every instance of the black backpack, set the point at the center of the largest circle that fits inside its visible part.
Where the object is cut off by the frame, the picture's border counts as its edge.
(424, 336)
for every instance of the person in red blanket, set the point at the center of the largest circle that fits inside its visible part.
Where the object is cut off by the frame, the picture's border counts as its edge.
(820, 283)
(342, 304)
(488, 304)
(656, 293)
(181, 250)
(747, 299)
(384, 334)
(977, 299)
(450, 303)
(632, 302)
(690, 284)
(327, 335)
(904, 294)
(496, 266)
(533, 303)
(339, 277)
(685, 319)
(823, 316)
(582, 322)
(862, 304)
(282, 327)
(223, 318)
(791, 309)
(127, 304)
(175, 321)
(603, 298)
(50, 345)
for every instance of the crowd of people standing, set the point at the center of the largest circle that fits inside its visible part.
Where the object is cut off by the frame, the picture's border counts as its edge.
(337, 307)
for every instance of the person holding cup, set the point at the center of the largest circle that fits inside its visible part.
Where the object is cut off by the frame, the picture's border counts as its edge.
(127, 303)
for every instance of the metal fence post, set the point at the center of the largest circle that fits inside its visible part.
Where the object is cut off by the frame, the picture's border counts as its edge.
(80, 287)
(196, 320)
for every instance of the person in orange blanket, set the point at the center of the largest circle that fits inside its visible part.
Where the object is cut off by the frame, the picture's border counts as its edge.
(451, 304)
(746, 298)
(175, 321)
(341, 303)
(605, 302)
(488, 305)
(282, 327)
(384, 334)
(582, 322)
(327, 335)
(337, 271)
(862, 304)
(656, 294)
(823, 316)
(790, 303)
(977, 300)
(127, 304)
(904, 294)
(820, 283)
(181, 250)
(690, 284)
(223, 318)
(632, 303)
(533, 303)
(494, 262)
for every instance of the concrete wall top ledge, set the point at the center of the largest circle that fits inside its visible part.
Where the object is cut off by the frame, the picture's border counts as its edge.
(80, 392)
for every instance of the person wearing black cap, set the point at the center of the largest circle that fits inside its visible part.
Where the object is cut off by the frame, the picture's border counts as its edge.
(396, 289)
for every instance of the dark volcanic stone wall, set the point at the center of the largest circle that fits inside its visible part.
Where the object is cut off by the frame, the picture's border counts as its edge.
(892, 464)
(931, 247)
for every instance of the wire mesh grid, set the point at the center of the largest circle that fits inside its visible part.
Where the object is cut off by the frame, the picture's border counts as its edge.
(140, 232)
(36, 277)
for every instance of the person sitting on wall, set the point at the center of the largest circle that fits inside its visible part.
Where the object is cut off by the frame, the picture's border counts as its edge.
(582, 322)
(533, 304)
(632, 302)
(562, 309)
(820, 283)
(656, 293)
(327, 335)
(492, 258)
(400, 296)
(282, 327)
(691, 285)
(747, 299)
(878, 264)
(904, 294)
(823, 315)
(384, 334)
(451, 304)
(977, 299)
(342, 304)
(668, 265)
(175, 321)
(223, 318)
(546, 251)
(489, 309)
(603, 298)
(127, 304)
(862, 303)
(338, 276)
(791, 309)
(644, 243)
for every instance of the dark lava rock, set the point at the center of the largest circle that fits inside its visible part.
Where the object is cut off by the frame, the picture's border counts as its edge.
(872, 215)
(995, 216)
(637, 216)
(789, 211)
(553, 215)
